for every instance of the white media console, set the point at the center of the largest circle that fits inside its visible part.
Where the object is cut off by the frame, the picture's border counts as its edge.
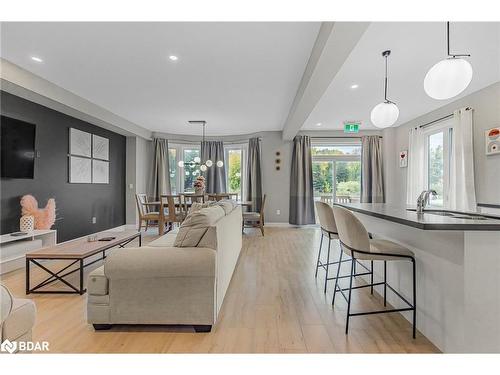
(14, 248)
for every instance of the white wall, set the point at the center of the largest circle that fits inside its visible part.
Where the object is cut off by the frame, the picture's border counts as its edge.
(486, 105)
(138, 173)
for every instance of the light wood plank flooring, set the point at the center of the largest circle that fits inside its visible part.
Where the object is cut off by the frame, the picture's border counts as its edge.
(273, 305)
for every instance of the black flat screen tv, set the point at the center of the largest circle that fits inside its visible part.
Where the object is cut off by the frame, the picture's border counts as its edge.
(18, 148)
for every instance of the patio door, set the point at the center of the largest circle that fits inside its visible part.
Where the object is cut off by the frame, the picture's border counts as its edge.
(337, 181)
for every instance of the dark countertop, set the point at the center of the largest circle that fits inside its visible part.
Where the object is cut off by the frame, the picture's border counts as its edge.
(427, 220)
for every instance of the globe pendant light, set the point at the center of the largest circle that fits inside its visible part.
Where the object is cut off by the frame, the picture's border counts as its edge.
(386, 113)
(450, 76)
(197, 160)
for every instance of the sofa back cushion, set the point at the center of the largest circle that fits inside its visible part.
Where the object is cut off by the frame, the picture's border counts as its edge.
(227, 205)
(196, 225)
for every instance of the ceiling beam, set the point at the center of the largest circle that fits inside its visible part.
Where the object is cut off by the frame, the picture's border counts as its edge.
(333, 45)
(20, 82)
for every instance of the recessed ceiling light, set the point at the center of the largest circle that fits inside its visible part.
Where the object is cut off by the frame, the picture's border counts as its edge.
(319, 124)
(37, 59)
(354, 86)
(173, 58)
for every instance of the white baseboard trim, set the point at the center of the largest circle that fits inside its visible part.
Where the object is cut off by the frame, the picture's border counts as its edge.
(288, 225)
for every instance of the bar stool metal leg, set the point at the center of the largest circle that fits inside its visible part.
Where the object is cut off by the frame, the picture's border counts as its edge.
(349, 300)
(337, 278)
(414, 298)
(371, 278)
(319, 253)
(385, 283)
(327, 260)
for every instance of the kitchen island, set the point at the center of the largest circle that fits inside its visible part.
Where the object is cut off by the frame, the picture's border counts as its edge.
(458, 272)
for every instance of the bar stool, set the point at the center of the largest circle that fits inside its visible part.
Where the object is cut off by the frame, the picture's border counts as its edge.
(356, 243)
(329, 229)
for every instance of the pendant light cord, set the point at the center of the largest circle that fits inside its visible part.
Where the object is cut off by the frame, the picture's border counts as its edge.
(386, 54)
(385, 85)
(448, 43)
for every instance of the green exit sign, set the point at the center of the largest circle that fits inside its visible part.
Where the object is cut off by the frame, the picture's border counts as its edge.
(351, 127)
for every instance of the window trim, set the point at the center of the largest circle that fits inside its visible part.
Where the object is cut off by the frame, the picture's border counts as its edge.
(243, 147)
(180, 147)
(334, 158)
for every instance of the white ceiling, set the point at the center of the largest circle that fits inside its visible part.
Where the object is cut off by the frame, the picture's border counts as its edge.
(415, 48)
(239, 77)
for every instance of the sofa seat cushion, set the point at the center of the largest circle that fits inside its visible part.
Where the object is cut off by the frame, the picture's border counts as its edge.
(98, 282)
(20, 320)
(196, 225)
(167, 240)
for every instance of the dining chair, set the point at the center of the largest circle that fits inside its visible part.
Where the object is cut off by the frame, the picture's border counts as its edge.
(189, 199)
(218, 197)
(145, 215)
(233, 196)
(355, 242)
(172, 209)
(253, 219)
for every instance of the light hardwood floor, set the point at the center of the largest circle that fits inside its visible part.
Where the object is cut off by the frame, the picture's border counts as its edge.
(273, 305)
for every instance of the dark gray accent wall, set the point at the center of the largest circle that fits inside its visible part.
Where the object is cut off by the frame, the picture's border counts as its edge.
(76, 204)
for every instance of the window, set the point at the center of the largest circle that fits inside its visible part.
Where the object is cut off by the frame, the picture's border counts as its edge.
(336, 171)
(172, 163)
(182, 179)
(190, 172)
(437, 159)
(234, 159)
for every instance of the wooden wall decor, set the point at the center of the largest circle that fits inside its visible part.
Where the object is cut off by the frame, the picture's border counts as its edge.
(277, 161)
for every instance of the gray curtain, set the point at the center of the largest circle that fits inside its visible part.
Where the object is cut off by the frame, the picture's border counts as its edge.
(215, 176)
(161, 169)
(372, 178)
(253, 176)
(301, 183)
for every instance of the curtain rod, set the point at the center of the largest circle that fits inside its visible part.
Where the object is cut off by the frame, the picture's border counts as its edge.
(440, 119)
(342, 137)
(191, 141)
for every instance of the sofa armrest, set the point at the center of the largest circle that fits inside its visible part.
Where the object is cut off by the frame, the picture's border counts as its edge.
(98, 282)
(160, 262)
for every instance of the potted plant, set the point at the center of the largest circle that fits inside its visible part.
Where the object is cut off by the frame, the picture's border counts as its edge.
(199, 185)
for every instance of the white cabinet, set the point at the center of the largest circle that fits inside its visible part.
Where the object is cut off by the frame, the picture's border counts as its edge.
(14, 248)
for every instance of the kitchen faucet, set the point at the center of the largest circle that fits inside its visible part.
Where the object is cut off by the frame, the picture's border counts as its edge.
(423, 199)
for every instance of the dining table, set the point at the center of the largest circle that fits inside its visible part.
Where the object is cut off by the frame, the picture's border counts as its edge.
(161, 223)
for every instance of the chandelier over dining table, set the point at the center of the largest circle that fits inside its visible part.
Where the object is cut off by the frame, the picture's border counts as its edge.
(197, 162)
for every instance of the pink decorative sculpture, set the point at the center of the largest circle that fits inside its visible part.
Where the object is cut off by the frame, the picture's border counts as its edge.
(44, 217)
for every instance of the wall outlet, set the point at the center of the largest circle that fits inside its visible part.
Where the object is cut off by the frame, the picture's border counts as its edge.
(278, 212)
(131, 186)
(94, 220)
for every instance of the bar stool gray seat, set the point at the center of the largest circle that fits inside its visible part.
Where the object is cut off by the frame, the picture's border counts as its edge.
(356, 243)
(329, 230)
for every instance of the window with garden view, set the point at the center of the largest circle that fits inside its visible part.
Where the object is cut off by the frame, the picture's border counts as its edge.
(234, 158)
(337, 172)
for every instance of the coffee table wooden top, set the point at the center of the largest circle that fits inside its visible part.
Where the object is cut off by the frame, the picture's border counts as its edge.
(80, 248)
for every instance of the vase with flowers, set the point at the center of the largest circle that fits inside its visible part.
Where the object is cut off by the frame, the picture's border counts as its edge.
(199, 185)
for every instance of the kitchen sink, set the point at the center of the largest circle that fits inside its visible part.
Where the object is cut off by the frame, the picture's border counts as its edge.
(455, 215)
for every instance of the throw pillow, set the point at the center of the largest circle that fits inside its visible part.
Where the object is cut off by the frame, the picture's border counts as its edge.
(194, 227)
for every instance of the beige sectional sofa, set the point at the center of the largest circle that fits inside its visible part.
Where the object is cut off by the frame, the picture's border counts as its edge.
(162, 283)
(17, 318)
